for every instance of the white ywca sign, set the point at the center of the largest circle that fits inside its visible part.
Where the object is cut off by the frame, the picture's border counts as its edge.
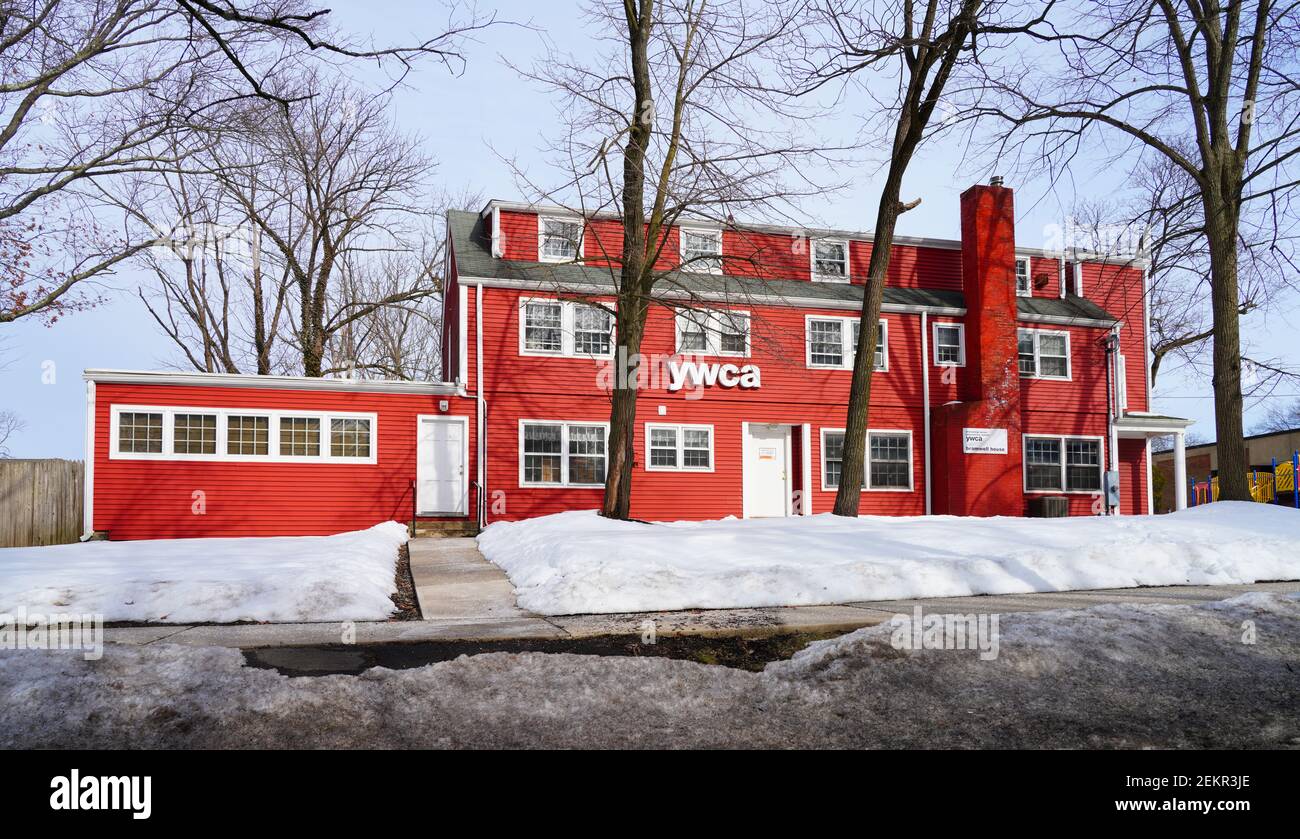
(984, 441)
(697, 374)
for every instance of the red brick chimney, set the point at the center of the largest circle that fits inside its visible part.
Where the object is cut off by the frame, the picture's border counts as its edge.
(984, 484)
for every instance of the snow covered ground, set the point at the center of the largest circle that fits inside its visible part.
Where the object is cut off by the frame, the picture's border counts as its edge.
(1116, 676)
(578, 562)
(348, 576)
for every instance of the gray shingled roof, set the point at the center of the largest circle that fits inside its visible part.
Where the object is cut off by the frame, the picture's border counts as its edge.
(473, 252)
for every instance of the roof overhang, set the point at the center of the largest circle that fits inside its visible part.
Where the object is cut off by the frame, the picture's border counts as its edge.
(598, 290)
(1141, 426)
(155, 377)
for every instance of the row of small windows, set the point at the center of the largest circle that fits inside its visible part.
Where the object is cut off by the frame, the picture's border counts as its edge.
(195, 432)
(572, 329)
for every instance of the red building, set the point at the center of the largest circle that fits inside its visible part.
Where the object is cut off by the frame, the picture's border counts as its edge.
(1003, 374)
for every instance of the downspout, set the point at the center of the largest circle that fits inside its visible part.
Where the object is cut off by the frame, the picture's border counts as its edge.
(481, 405)
(925, 401)
(88, 475)
(1109, 343)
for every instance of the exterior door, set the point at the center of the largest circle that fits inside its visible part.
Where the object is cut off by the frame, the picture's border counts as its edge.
(767, 471)
(440, 466)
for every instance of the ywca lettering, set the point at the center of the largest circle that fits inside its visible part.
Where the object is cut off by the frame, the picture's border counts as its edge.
(121, 792)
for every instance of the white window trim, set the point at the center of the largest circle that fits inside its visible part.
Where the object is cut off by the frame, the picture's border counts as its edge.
(697, 267)
(812, 261)
(681, 447)
(541, 238)
(567, 333)
(564, 453)
(1029, 277)
(1038, 367)
(866, 465)
(847, 346)
(961, 344)
(712, 331)
(273, 435)
(1061, 438)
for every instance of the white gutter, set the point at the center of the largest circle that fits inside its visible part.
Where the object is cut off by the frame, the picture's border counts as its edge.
(925, 402)
(152, 377)
(88, 475)
(481, 407)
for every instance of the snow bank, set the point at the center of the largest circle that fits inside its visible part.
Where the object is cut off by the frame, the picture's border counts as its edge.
(1116, 676)
(578, 562)
(348, 576)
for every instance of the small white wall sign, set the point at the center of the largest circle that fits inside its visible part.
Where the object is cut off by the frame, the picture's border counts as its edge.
(984, 441)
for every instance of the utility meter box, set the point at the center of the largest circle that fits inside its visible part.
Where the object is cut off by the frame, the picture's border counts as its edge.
(1110, 485)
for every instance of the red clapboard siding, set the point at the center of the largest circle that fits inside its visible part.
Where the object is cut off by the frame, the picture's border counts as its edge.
(911, 266)
(139, 499)
(519, 235)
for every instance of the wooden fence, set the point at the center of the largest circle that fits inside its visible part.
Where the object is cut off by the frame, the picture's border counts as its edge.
(40, 502)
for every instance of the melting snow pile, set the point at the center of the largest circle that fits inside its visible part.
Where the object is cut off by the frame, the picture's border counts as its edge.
(348, 576)
(578, 562)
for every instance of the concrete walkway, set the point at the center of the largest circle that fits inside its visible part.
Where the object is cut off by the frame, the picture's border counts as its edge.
(463, 597)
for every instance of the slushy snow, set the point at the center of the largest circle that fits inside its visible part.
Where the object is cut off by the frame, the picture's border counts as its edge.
(1117, 676)
(578, 562)
(349, 576)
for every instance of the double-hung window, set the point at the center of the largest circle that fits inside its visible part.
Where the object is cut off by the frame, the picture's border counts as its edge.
(950, 344)
(241, 434)
(888, 460)
(701, 251)
(562, 453)
(559, 239)
(1044, 354)
(1062, 464)
(1024, 287)
(565, 328)
(705, 332)
(679, 448)
(832, 343)
(830, 260)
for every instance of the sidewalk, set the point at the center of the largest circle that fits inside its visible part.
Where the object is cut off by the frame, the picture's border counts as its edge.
(465, 598)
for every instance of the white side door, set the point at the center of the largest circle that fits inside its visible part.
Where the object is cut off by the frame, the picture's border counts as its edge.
(767, 471)
(440, 466)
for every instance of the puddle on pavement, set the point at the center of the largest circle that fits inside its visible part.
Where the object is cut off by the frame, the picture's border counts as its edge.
(742, 653)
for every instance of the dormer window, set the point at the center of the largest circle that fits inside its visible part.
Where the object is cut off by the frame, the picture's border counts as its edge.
(830, 260)
(559, 239)
(1024, 287)
(701, 251)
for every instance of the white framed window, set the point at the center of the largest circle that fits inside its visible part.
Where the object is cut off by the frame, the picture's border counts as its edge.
(950, 344)
(713, 332)
(678, 448)
(830, 260)
(555, 453)
(565, 328)
(559, 239)
(1044, 353)
(1024, 285)
(1062, 464)
(701, 250)
(241, 435)
(831, 343)
(888, 465)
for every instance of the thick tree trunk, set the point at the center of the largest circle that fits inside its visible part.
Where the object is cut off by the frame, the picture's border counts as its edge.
(1221, 231)
(617, 502)
(853, 463)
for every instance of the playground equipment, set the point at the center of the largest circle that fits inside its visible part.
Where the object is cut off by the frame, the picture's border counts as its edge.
(1275, 487)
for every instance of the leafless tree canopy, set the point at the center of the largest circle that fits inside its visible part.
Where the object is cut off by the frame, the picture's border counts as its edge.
(89, 88)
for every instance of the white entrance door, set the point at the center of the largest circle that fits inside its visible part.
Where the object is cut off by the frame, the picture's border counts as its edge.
(440, 466)
(767, 471)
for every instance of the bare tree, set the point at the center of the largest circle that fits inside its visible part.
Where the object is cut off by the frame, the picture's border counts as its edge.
(1279, 418)
(10, 424)
(1208, 86)
(336, 185)
(86, 87)
(925, 43)
(677, 119)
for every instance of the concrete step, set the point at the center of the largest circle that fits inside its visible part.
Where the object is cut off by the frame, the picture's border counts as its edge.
(455, 529)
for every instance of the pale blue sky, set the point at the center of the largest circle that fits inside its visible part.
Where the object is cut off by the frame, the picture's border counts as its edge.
(459, 117)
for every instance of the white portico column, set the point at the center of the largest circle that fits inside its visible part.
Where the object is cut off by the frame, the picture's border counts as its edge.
(1180, 471)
